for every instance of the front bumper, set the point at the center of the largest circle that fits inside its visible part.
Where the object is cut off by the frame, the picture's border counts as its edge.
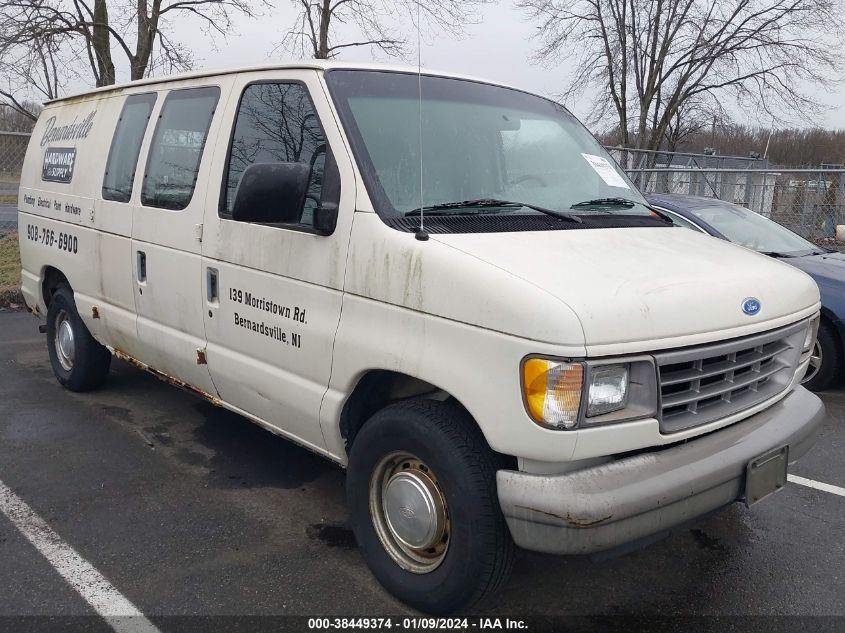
(607, 506)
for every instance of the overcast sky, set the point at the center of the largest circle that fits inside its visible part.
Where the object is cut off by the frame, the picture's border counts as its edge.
(499, 48)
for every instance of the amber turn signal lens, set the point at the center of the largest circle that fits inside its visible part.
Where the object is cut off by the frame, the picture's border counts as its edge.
(552, 391)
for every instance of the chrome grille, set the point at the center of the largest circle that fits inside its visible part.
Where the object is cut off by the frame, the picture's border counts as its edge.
(705, 383)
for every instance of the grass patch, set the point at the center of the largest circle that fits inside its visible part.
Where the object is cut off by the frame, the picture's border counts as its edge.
(10, 272)
(8, 199)
(10, 261)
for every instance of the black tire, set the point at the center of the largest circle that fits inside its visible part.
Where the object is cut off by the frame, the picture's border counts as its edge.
(829, 370)
(88, 365)
(479, 554)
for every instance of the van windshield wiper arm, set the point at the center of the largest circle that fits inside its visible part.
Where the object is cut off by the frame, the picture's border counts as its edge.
(605, 202)
(621, 202)
(493, 202)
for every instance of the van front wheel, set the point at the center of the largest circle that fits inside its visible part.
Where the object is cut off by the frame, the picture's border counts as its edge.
(79, 362)
(826, 360)
(421, 487)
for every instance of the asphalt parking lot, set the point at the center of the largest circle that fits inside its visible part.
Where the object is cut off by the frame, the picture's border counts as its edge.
(189, 510)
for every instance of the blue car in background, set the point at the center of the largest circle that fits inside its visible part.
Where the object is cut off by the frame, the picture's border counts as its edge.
(746, 228)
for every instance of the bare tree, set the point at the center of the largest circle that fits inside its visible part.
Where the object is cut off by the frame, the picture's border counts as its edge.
(314, 33)
(32, 70)
(788, 148)
(139, 29)
(649, 58)
(691, 118)
(18, 120)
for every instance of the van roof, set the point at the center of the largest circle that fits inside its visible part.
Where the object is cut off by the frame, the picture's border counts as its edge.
(313, 64)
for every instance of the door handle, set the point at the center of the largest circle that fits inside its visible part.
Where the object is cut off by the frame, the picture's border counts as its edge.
(141, 268)
(211, 286)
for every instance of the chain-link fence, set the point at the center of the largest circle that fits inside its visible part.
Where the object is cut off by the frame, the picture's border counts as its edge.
(12, 150)
(644, 159)
(810, 202)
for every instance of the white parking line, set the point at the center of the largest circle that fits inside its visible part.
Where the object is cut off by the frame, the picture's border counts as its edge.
(98, 592)
(816, 484)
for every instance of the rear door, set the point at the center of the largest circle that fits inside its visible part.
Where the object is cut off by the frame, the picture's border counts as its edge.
(166, 234)
(274, 291)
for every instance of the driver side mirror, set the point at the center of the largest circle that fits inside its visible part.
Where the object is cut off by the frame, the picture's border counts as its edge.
(271, 193)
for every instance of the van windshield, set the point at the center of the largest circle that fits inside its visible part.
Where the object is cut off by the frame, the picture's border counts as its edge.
(485, 149)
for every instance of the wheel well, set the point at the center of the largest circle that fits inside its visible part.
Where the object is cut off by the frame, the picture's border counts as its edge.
(376, 390)
(53, 280)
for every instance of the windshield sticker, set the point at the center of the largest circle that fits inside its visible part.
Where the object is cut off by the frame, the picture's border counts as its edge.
(58, 164)
(604, 169)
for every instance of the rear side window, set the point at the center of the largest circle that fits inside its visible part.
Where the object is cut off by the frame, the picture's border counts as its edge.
(175, 153)
(276, 124)
(125, 147)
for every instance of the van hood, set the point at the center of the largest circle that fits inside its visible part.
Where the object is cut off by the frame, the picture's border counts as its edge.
(655, 285)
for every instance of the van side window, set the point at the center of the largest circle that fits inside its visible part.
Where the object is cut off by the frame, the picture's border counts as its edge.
(276, 123)
(126, 146)
(174, 158)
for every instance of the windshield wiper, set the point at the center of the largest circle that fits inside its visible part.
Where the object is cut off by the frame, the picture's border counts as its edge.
(776, 254)
(605, 202)
(621, 202)
(493, 202)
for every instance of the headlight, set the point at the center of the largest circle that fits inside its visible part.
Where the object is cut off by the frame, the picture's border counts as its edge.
(562, 394)
(607, 390)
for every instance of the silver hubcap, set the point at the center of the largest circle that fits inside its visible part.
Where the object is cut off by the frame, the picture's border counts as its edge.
(815, 363)
(65, 346)
(409, 512)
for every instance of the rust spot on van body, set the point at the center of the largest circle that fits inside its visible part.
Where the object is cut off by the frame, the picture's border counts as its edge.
(173, 380)
(95, 312)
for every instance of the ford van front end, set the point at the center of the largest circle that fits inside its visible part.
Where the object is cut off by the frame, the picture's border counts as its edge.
(750, 379)
(658, 371)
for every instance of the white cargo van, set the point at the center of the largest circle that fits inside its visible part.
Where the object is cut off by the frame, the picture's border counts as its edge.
(443, 284)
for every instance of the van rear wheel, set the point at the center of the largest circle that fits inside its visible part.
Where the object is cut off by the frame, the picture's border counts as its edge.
(79, 362)
(421, 487)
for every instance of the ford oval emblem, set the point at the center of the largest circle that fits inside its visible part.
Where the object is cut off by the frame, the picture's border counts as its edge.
(750, 306)
(407, 512)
